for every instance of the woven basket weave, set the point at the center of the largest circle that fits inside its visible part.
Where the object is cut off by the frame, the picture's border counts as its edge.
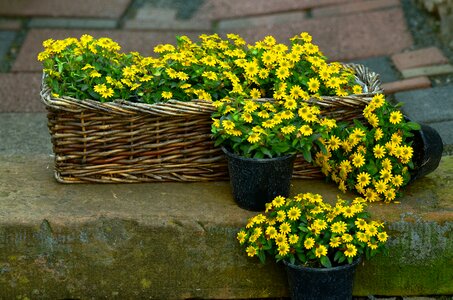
(122, 141)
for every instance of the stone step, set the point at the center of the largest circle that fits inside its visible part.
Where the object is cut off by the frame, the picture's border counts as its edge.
(177, 240)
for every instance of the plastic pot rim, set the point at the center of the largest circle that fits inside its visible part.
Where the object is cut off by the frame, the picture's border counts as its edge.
(257, 160)
(355, 262)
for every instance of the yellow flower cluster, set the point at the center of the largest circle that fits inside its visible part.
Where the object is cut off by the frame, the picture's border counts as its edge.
(211, 69)
(372, 158)
(311, 232)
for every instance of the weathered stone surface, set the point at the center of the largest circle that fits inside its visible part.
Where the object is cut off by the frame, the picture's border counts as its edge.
(64, 8)
(346, 37)
(10, 24)
(141, 41)
(177, 240)
(24, 133)
(445, 130)
(20, 92)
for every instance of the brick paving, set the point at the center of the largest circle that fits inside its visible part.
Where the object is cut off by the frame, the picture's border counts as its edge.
(371, 32)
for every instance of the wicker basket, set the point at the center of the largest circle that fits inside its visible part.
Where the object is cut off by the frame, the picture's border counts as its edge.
(123, 141)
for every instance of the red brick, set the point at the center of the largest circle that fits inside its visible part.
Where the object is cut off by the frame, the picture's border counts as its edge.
(64, 8)
(226, 9)
(20, 92)
(419, 58)
(347, 37)
(354, 7)
(140, 41)
(415, 83)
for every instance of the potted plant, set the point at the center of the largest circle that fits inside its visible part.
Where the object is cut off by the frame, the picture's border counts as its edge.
(378, 156)
(319, 243)
(271, 114)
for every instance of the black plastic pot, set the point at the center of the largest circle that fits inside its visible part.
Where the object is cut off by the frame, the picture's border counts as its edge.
(321, 283)
(255, 182)
(428, 147)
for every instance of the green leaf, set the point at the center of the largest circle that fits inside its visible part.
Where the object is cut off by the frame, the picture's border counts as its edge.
(325, 261)
(266, 152)
(413, 126)
(338, 255)
(307, 154)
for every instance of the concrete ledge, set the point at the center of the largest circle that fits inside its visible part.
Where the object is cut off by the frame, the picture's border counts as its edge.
(177, 240)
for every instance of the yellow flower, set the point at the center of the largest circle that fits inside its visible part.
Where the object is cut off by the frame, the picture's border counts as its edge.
(268, 124)
(320, 251)
(382, 236)
(350, 251)
(293, 239)
(305, 130)
(251, 251)
(281, 215)
(278, 201)
(227, 124)
(280, 238)
(380, 186)
(313, 85)
(283, 249)
(397, 180)
(335, 242)
(358, 160)
(378, 134)
(167, 95)
(95, 74)
(285, 228)
(288, 129)
(294, 213)
(362, 237)
(290, 104)
(357, 89)
(241, 235)
(282, 73)
(338, 227)
(247, 117)
(250, 106)
(255, 93)
(348, 211)
(309, 243)
(395, 117)
(363, 179)
(347, 238)
(271, 232)
(379, 151)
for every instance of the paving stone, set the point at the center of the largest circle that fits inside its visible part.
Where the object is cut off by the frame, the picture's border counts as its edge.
(141, 41)
(10, 24)
(20, 92)
(150, 17)
(428, 71)
(226, 9)
(415, 83)
(382, 66)
(72, 23)
(428, 105)
(64, 8)
(263, 21)
(419, 58)
(346, 37)
(24, 133)
(353, 7)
